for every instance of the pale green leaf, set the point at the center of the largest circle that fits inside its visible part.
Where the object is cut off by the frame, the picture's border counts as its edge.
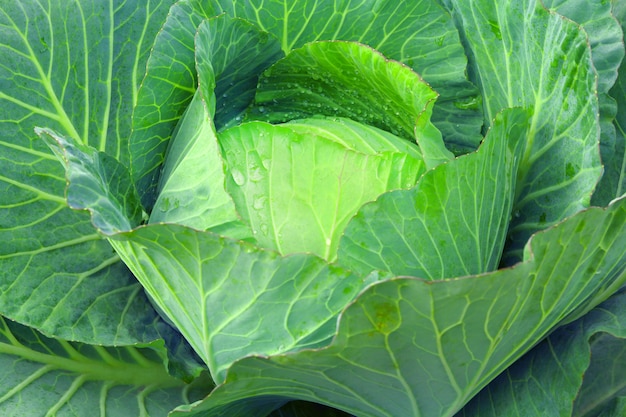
(192, 189)
(298, 186)
(453, 222)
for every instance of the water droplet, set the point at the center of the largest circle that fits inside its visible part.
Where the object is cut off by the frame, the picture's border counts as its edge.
(259, 202)
(238, 176)
(255, 172)
(267, 163)
(264, 229)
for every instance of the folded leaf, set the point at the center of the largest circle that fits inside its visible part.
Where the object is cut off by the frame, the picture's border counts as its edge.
(346, 79)
(170, 72)
(453, 222)
(613, 183)
(418, 33)
(409, 347)
(96, 182)
(230, 299)
(230, 56)
(192, 190)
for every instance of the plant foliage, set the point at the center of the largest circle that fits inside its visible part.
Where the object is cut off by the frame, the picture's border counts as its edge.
(312, 207)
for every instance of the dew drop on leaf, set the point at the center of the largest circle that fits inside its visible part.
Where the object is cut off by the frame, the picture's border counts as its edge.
(259, 202)
(238, 176)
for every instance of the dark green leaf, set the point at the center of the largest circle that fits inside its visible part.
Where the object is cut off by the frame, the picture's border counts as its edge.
(524, 55)
(419, 33)
(613, 182)
(578, 371)
(48, 377)
(74, 67)
(230, 56)
(170, 73)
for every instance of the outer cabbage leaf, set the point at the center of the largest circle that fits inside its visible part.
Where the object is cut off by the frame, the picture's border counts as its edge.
(605, 35)
(170, 72)
(44, 376)
(607, 51)
(230, 299)
(613, 182)
(408, 347)
(453, 222)
(56, 273)
(191, 187)
(524, 55)
(96, 179)
(578, 370)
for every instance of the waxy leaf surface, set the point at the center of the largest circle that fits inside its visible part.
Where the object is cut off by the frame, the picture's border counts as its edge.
(405, 342)
(298, 189)
(73, 67)
(578, 370)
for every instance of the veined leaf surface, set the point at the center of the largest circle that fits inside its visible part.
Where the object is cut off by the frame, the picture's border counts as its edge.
(230, 299)
(297, 188)
(48, 377)
(524, 55)
(346, 79)
(453, 222)
(418, 33)
(409, 347)
(72, 66)
(579, 370)
(613, 183)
